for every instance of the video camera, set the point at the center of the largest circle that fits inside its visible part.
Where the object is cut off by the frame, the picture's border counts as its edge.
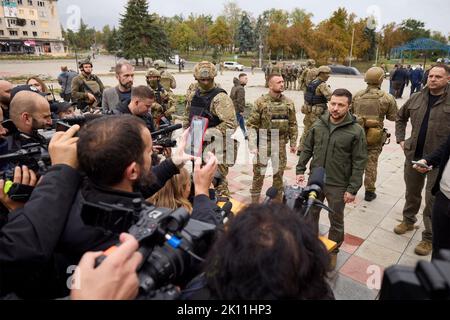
(170, 242)
(427, 281)
(35, 157)
(163, 137)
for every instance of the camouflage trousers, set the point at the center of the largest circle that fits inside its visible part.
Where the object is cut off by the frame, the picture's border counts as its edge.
(278, 160)
(370, 178)
(308, 121)
(224, 164)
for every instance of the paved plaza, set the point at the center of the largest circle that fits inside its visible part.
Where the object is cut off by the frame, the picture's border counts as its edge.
(370, 243)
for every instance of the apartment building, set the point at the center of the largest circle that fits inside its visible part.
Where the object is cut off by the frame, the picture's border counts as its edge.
(30, 27)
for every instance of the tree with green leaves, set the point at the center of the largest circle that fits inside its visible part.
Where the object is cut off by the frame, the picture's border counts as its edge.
(220, 35)
(232, 14)
(141, 35)
(414, 29)
(183, 37)
(246, 33)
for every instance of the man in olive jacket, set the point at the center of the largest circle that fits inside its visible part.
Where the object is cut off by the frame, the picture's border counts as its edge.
(429, 113)
(337, 143)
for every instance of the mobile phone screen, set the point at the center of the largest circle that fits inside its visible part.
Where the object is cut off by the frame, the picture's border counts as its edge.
(196, 136)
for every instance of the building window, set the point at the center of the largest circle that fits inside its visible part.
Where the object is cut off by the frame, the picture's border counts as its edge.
(41, 3)
(42, 14)
(13, 33)
(2, 33)
(30, 2)
(20, 2)
(34, 34)
(25, 33)
(33, 23)
(31, 12)
(21, 11)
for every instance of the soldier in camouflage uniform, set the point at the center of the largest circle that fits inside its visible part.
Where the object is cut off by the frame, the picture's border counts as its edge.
(167, 79)
(317, 95)
(164, 105)
(87, 88)
(371, 106)
(212, 102)
(308, 74)
(275, 113)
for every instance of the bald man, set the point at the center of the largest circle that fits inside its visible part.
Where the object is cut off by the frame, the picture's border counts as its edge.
(29, 111)
(5, 95)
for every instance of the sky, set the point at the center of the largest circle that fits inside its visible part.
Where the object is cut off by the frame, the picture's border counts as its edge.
(98, 13)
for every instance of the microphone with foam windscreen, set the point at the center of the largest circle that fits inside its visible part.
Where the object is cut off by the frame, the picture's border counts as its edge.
(226, 212)
(315, 186)
(271, 193)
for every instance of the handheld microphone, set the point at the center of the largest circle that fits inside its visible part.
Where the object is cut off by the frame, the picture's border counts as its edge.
(315, 186)
(270, 195)
(226, 211)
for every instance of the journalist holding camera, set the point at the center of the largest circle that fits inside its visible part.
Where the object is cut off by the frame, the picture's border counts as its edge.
(99, 167)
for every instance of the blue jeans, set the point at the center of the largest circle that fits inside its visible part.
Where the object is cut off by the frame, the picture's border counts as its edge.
(241, 122)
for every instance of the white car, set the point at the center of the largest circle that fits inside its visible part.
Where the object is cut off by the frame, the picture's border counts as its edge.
(231, 65)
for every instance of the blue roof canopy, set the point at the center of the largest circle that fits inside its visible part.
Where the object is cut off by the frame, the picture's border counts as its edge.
(422, 44)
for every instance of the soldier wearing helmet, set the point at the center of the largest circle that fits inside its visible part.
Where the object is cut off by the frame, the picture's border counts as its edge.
(212, 102)
(87, 88)
(371, 106)
(317, 95)
(167, 79)
(164, 106)
(308, 74)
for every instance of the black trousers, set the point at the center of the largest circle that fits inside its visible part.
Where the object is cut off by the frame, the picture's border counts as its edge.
(441, 224)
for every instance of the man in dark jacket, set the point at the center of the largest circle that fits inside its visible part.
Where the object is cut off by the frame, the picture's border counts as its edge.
(65, 81)
(429, 113)
(441, 211)
(416, 77)
(337, 143)
(237, 94)
(399, 79)
(140, 104)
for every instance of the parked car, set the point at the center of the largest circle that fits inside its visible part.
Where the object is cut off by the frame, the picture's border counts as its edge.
(232, 65)
(340, 69)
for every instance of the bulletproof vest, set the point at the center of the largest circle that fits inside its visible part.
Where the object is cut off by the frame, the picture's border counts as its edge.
(201, 106)
(311, 97)
(278, 113)
(368, 106)
(93, 85)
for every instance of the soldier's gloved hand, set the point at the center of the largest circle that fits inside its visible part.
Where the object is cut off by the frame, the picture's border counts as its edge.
(179, 157)
(299, 179)
(294, 150)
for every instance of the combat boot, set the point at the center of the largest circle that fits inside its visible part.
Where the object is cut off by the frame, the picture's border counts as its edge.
(424, 248)
(370, 196)
(403, 227)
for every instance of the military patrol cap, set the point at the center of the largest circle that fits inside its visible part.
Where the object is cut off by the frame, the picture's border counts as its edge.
(205, 70)
(159, 64)
(152, 72)
(374, 75)
(324, 69)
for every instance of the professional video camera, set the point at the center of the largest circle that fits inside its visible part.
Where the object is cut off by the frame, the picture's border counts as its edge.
(172, 244)
(66, 123)
(163, 138)
(303, 199)
(35, 157)
(427, 281)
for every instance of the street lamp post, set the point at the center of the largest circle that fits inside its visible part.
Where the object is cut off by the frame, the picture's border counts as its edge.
(351, 47)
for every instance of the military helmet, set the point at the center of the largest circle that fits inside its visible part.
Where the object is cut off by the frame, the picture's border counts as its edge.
(159, 64)
(323, 69)
(205, 70)
(374, 75)
(152, 72)
(83, 62)
(311, 63)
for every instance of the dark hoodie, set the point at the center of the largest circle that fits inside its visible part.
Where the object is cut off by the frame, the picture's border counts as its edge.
(238, 96)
